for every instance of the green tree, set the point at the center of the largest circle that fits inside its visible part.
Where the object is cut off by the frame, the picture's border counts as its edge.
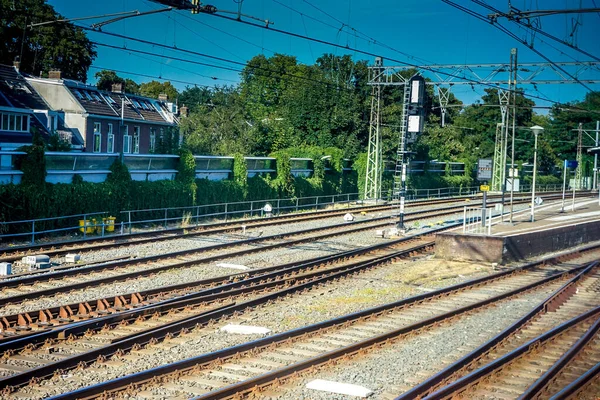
(106, 78)
(154, 88)
(54, 46)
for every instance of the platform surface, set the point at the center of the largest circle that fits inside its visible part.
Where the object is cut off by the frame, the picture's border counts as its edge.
(547, 216)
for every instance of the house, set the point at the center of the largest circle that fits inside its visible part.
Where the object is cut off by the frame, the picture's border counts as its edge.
(108, 121)
(23, 111)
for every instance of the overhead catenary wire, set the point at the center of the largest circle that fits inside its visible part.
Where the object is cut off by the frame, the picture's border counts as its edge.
(151, 76)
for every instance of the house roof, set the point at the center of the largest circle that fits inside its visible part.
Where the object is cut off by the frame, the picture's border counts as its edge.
(16, 92)
(133, 107)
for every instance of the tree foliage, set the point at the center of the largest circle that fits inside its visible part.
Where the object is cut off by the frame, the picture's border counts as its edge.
(106, 78)
(54, 46)
(154, 88)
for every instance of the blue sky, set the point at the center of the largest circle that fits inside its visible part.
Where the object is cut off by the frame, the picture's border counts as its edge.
(428, 31)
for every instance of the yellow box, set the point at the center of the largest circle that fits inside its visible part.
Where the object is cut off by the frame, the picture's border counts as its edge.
(89, 225)
(484, 188)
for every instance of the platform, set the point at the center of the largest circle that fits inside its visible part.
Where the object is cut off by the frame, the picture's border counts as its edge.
(552, 231)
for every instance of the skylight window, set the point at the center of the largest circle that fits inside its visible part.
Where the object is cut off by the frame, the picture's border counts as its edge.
(111, 100)
(87, 95)
(78, 93)
(96, 96)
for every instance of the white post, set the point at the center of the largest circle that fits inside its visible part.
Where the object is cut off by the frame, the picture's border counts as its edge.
(595, 182)
(562, 208)
(465, 219)
(534, 173)
(573, 203)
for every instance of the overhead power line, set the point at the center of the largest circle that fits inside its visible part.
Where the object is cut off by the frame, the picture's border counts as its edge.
(515, 37)
(151, 76)
(493, 18)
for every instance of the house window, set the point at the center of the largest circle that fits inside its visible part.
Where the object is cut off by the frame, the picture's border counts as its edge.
(97, 137)
(126, 140)
(14, 122)
(136, 139)
(110, 144)
(152, 140)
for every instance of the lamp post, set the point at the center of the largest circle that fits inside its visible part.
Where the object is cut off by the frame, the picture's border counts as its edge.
(536, 130)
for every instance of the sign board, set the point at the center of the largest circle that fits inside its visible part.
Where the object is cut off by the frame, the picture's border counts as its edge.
(539, 201)
(513, 172)
(571, 164)
(414, 123)
(484, 188)
(484, 169)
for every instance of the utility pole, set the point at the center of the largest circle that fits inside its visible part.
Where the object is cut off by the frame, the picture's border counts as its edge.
(595, 183)
(374, 162)
(579, 171)
(513, 65)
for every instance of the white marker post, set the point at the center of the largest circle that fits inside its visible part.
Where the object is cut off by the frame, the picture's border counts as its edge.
(562, 208)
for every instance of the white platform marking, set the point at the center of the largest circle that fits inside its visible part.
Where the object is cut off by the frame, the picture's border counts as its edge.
(340, 388)
(245, 329)
(233, 266)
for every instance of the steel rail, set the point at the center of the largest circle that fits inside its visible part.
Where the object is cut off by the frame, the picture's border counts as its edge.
(578, 384)
(479, 374)
(539, 388)
(267, 378)
(548, 305)
(122, 240)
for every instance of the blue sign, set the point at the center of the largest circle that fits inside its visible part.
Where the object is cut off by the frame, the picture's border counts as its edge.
(570, 164)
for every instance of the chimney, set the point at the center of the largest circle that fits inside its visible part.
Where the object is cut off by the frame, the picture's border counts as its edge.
(54, 74)
(183, 111)
(117, 88)
(162, 97)
(17, 63)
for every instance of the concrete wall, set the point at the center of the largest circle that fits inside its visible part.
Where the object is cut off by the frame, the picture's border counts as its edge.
(495, 249)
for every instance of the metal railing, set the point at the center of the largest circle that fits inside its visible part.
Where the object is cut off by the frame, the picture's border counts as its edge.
(66, 223)
(476, 222)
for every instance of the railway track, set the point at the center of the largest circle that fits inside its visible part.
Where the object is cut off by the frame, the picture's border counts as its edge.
(58, 249)
(580, 296)
(231, 372)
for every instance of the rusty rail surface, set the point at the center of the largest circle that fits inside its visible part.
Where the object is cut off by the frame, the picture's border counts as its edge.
(578, 384)
(485, 371)
(266, 378)
(538, 389)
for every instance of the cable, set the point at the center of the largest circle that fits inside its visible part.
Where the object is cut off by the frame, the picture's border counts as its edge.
(151, 76)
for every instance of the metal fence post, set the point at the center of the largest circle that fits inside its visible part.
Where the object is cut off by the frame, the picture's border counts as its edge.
(317, 203)
(251, 208)
(226, 212)
(165, 218)
(278, 200)
(197, 215)
(464, 219)
(84, 226)
(129, 212)
(348, 200)
(296, 204)
(32, 232)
